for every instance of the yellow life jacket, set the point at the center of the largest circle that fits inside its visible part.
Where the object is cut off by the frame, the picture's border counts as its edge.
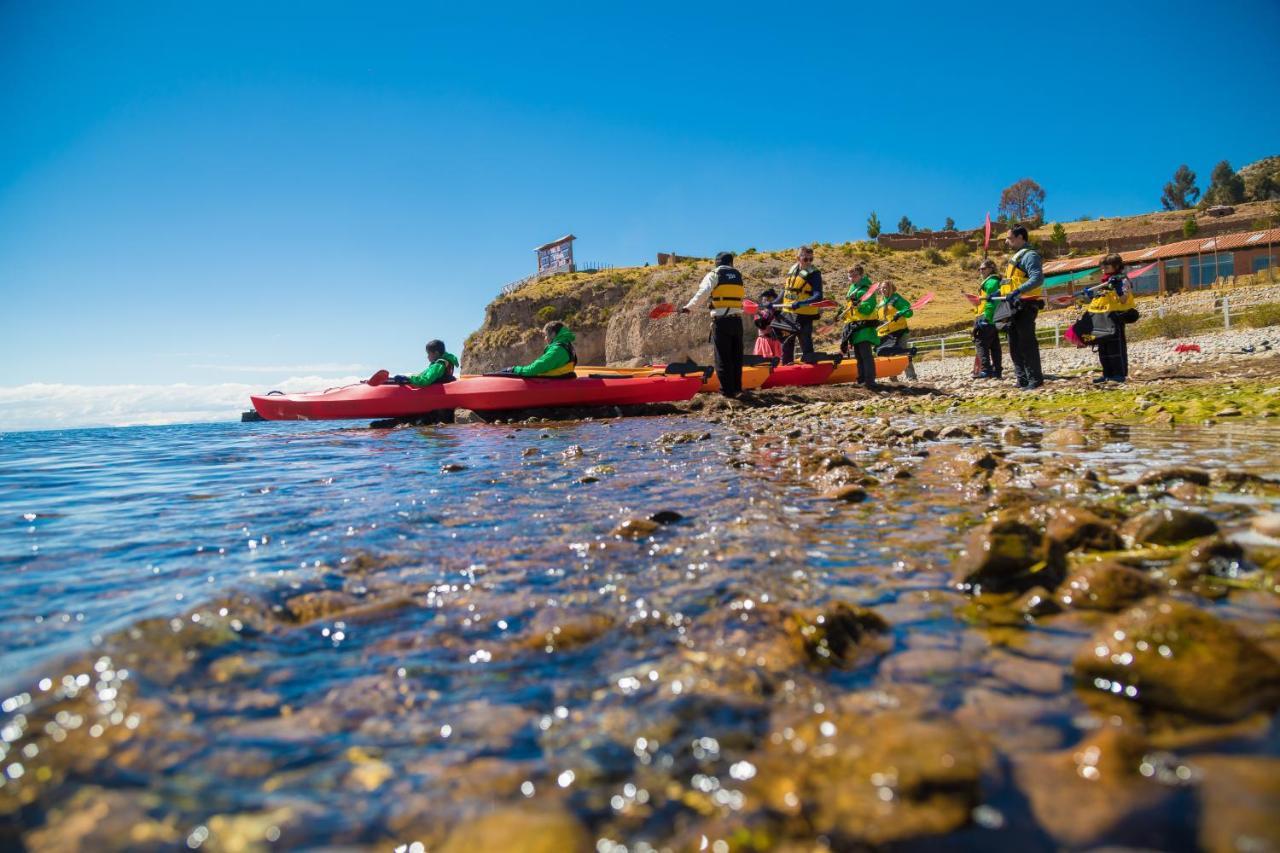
(885, 313)
(568, 366)
(728, 290)
(1108, 300)
(1015, 276)
(798, 288)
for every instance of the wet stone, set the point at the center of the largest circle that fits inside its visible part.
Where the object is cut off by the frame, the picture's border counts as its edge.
(1105, 585)
(1078, 528)
(840, 635)
(1008, 555)
(1164, 476)
(1168, 526)
(1266, 524)
(1170, 656)
(666, 516)
(635, 528)
(1037, 602)
(846, 494)
(451, 467)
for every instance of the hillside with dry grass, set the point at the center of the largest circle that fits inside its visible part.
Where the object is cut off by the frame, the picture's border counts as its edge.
(608, 310)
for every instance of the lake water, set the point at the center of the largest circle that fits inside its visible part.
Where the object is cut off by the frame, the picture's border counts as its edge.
(302, 635)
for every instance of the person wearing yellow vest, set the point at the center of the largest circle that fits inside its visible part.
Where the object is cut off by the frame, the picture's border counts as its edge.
(1023, 290)
(802, 286)
(860, 323)
(557, 361)
(1113, 296)
(893, 312)
(986, 338)
(721, 292)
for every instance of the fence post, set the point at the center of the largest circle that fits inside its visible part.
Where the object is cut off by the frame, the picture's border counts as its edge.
(942, 348)
(1226, 313)
(1055, 333)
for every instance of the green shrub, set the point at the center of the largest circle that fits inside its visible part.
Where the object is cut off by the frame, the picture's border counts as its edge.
(545, 314)
(959, 250)
(933, 256)
(1261, 316)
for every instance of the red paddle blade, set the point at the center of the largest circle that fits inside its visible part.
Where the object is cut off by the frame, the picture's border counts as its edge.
(976, 300)
(662, 310)
(872, 290)
(379, 378)
(1063, 299)
(923, 301)
(825, 303)
(749, 306)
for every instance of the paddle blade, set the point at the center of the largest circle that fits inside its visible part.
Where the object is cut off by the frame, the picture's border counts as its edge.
(750, 306)
(824, 303)
(379, 378)
(974, 298)
(923, 301)
(1062, 300)
(664, 309)
(872, 290)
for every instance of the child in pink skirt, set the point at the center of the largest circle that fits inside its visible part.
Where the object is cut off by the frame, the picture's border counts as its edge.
(767, 343)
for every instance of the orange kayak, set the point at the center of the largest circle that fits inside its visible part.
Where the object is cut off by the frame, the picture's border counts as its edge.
(886, 366)
(753, 375)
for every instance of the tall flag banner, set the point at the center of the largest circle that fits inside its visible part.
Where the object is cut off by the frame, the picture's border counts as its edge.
(986, 239)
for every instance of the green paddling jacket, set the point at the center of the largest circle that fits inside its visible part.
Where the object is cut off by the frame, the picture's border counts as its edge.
(440, 370)
(558, 359)
(861, 311)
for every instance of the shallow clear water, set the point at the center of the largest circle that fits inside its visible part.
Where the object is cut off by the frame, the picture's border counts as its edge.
(462, 683)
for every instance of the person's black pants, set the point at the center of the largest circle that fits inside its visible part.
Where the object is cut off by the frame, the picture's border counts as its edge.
(1024, 349)
(1113, 353)
(866, 355)
(987, 341)
(804, 335)
(726, 337)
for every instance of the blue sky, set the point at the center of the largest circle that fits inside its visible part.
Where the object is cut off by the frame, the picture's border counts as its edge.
(236, 192)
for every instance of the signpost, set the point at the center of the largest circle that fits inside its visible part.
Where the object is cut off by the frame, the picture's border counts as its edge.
(556, 256)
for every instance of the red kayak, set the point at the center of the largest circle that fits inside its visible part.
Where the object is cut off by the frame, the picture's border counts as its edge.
(477, 393)
(799, 374)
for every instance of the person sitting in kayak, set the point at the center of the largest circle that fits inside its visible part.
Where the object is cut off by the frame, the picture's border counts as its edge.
(557, 361)
(440, 368)
(768, 344)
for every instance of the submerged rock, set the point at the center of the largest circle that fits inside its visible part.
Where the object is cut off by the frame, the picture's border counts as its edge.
(1170, 656)
(1175, 474)
(1239, 797)
(1074, 527)
(544, 828)
(1094, 793)
(1168, 526)
(863, 779)
(1008, 555)
(841, 635)
(1105, 586)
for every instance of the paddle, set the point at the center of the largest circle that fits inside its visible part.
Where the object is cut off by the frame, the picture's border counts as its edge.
(379, 378)
(915, 306)
(661, 310)
(750, 306)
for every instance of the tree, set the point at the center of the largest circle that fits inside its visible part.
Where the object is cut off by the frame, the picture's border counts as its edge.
(1189, 226)
(1225, 186)
(1058, 237)
(905, 226)
(873, 225)
(1023, 202)
(949, 225)
(1182, 192)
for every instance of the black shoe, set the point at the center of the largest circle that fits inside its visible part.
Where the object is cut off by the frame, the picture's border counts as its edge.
(1119, 380)
(1101, 379)
(986, 374)
(1023, 383)
(1033, 385)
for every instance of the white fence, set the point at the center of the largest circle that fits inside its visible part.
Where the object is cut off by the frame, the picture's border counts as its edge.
(589, 266)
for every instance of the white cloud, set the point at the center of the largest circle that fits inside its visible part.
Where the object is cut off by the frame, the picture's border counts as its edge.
(56, 406)
(286, 369)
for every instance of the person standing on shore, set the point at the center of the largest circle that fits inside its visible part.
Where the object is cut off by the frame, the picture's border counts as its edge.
(1023, 291)
(860, 327)
(803, 286)
(895, 336)
(724, 291)
(1114, 297)
(986, 338)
